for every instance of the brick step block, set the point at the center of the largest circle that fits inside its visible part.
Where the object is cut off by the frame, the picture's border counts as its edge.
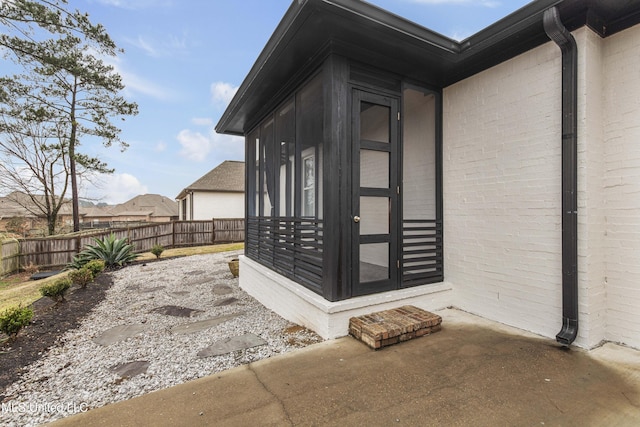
(393, 326)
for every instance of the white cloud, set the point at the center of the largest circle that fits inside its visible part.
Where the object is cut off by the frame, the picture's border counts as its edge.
(173, 45)
(197, 147)
(202, 121)
(144, 45)
(222, 93)
(115, 188)
(134, 83)
(160, 146)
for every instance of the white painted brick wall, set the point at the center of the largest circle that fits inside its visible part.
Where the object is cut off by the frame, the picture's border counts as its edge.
(502, 191)
(621, 105)
(591, 219)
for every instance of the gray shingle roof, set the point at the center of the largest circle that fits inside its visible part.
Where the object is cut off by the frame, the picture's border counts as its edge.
(228, 176)
(159, 205)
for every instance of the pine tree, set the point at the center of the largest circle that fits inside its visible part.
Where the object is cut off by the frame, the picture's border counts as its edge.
(65, 80)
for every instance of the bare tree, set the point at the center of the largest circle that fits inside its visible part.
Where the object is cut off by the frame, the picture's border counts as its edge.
(34, 165)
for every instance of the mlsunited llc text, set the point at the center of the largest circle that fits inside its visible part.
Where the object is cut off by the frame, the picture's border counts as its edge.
(45, 407)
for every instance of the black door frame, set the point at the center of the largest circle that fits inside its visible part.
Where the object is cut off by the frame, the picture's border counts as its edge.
(393, 192)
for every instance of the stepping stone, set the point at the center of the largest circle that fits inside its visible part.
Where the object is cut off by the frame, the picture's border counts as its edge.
(131, 369)
(196, 272)
(201, 281)
(180, 293)
(201, 325)
(118, 333)
(225, 301)
(231, 344)
(149, 290)
(174, 310)
(222, 290)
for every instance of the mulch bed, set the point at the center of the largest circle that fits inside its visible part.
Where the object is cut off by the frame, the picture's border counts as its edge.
(50, 321)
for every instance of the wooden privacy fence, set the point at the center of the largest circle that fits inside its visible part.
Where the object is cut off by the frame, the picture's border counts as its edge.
(53, 252)
(9, 256)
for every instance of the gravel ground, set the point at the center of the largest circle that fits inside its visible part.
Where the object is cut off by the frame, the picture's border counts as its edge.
(77, 374)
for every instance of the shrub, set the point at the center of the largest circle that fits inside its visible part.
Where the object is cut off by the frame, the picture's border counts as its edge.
(15, 318)
(56, 290)
(96, 266)
(113, 251)
(157, 250)
(81, 277)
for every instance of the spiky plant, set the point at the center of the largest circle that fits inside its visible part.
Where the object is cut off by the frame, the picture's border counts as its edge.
(113, 251)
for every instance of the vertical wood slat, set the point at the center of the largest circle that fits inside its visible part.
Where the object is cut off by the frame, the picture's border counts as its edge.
(55, 252)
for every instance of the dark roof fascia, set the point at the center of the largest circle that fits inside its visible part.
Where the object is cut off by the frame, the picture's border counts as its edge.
(395, 23)
(290, 19)
(447, 60)
(295, 18)
(529, 15)
(514, 34)
(608, 17)
(305, 72)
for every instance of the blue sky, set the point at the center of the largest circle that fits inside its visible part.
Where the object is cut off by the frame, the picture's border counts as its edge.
(184, 60)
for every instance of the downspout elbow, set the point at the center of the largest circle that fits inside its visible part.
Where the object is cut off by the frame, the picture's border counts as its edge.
(567, 44)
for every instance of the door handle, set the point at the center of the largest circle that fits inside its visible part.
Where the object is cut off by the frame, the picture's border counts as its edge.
(356, 219)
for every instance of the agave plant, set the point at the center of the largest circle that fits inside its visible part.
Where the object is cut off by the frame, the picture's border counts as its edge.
(113, 251)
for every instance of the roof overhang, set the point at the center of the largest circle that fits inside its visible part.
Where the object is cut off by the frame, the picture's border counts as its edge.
(371, 35)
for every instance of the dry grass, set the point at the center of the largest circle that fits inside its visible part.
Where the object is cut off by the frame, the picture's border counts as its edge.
(23, 293)
(198, 250)
(17, 289)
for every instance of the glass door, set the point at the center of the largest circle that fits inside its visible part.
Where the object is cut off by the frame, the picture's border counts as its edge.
(374, 193)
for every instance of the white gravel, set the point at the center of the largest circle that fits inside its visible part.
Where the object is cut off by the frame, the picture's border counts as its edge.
(75, 374)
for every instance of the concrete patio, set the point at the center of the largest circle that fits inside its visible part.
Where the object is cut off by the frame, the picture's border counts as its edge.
(472, 372)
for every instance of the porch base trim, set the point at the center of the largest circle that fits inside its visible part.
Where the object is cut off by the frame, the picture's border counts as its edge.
(329, 319)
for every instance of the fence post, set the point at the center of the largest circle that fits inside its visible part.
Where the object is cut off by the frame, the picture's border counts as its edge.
(213, 231)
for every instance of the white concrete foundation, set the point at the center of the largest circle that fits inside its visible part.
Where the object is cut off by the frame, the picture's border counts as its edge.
(330, 319)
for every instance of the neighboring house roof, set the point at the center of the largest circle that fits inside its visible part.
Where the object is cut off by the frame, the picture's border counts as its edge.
(97, 211)
(363, 32)
(17, 204)
(135, 213)
(153, 204)
(11, 209)
(227, 177)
